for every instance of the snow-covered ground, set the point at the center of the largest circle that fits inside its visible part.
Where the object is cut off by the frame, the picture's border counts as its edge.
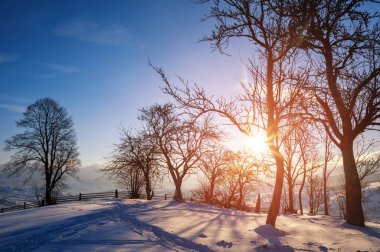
(138, 225)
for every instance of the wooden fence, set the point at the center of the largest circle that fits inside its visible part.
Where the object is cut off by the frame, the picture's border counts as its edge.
(25, 205)
(80, 197)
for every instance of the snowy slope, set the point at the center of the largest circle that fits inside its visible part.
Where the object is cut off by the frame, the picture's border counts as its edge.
(84, 227)
(247, 231)
(138, 225)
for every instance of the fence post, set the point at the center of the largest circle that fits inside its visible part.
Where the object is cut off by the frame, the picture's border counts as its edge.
(80, 196)
(166, 196)
(24, 205)
(116, 194)
(2, 209)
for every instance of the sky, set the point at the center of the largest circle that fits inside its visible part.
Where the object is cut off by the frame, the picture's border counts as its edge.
(92, 57)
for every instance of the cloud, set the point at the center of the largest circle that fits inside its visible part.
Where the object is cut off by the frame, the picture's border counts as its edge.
(7, 57)
(42, 76)
(14, 99)
(13, 108)
(61, 68)
(52, 70)
(94, 32)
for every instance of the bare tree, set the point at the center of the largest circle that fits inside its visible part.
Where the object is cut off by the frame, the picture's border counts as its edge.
(314, 190)
(307, 147)
(130, 177)
(343, 39)
(328, 167)
(274, 36)
(134, 163)
(246, 170)
(293, 166)
(228, 191)
(258, 204)
(48, 145)
(180, 140)
(367, 162)
(238, 174)
(213, 165)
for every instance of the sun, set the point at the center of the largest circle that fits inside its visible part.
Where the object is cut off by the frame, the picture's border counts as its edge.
(257, 143)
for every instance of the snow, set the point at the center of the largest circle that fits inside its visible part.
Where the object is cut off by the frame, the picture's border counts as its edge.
(139, 225)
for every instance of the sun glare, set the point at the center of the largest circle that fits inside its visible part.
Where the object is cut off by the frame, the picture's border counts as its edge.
(257, 143)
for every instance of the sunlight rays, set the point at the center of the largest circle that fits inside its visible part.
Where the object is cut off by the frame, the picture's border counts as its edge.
(257, 143)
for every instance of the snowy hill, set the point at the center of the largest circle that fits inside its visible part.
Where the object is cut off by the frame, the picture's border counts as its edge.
(138, 225)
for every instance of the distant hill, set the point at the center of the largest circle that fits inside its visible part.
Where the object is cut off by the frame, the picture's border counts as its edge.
(22, 187)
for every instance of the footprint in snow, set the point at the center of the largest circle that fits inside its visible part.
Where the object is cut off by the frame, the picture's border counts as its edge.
(202, 235)
(224, 244)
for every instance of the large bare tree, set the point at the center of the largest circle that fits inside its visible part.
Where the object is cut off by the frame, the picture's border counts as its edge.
(344, 41)
(47, 146)
(273, 36)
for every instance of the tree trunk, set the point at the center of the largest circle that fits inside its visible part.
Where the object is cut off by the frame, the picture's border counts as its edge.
(240, 200)
(48, 190)
(325, 199)
(148, 190)
(272, 133)
(49, 199)
(311, 197)
(300, 201)
(354, 210)
(274, 207)
(301, 188)
(211, 192)
(178, 193)
(291, 200)
(258, 203)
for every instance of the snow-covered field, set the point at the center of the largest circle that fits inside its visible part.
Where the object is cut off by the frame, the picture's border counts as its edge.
(138, 225)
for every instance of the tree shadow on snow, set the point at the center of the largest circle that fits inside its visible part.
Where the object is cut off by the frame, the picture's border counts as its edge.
(368, 230)
(273, 236)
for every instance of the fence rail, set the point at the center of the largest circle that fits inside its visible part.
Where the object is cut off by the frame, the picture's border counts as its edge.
(80, 197)
(25, 205)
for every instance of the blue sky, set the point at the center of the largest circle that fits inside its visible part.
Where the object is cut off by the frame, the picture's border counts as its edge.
(92, 57)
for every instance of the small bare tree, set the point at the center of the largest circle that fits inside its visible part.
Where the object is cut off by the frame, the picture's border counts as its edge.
(213, 165)
(314, 188)
(293, 166)
(130, 177)
(307, 147)
(241, 176)
(247, 170)
(180, 140)
(328, 167)
(48, 145)
(367, 162)
(134, 163)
